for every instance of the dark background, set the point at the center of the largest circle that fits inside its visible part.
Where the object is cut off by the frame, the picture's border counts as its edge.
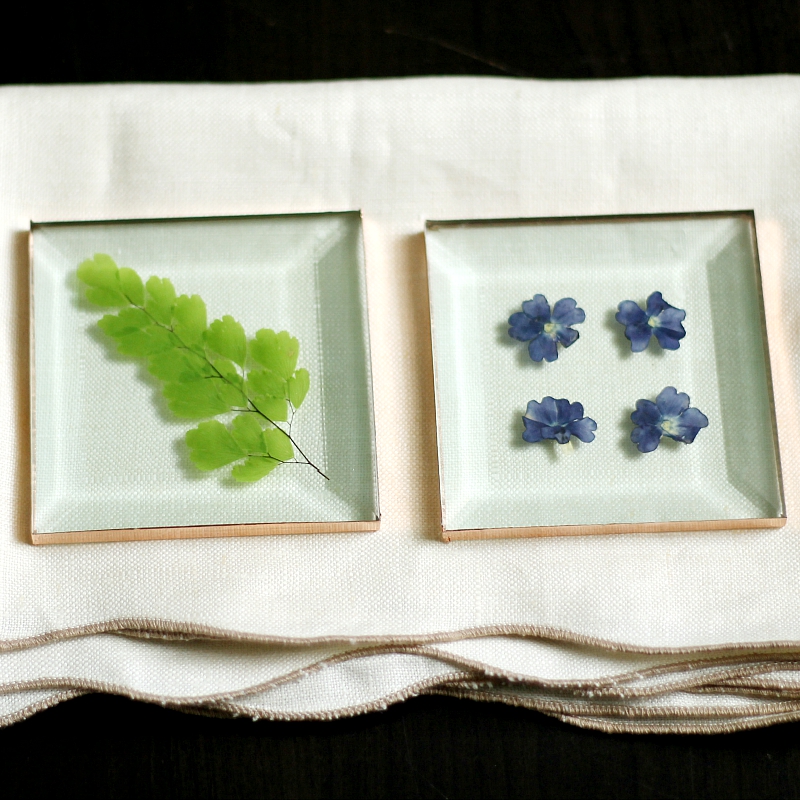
(427, 747)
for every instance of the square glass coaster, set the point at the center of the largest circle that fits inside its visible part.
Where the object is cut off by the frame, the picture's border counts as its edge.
(110, 460)
(495, 484)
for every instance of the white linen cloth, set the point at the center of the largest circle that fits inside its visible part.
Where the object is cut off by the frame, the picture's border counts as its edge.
(404, 151)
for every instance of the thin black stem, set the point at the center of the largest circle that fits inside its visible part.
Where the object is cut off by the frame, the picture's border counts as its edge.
(288, 436)
(272, 458)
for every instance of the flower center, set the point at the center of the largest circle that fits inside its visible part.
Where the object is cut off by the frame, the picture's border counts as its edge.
(669, 426)
(561, 434)
(550, 328)
(653, 322)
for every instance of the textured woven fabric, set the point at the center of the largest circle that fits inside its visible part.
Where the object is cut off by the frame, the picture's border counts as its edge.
(404, 151)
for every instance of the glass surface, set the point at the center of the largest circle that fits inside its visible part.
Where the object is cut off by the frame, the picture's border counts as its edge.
(481, 273)
(108, 452)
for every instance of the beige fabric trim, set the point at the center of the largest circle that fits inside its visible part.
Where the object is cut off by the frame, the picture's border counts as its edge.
(671, 723)
(746, 691)
(34, 708)
(462, 685)
(162, 627)
(219, 697)
(583, 705)
(229, 710)
(598, 710)
(694, 675)
(767, 681)
(592, 723)
(415, 689)
(692, 678)
(707, 669)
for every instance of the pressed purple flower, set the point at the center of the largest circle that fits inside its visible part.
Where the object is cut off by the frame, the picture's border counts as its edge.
(557, 419)
(544, 330)
(660, 319)
(670, 416)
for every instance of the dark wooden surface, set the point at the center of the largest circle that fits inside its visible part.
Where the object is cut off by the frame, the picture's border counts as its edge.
(425, 748)
(428, 747)
(263, 40)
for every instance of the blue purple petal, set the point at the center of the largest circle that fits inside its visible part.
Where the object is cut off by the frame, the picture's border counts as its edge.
(543, 347)
(557, 419)
(550, 432)
(523, 327)
(562, 412)
(544, 412)
(669, 416)
(529, 326)
(566, 312)
(583, 428)
(630, 314)
(639, 336)
(533, 430)
(538, 308)
(661, 319)
(671, 402)
(694, 417)
(548, 411)
(532, 411)
(671, 318)
(688, 425)
(656, 304)
(668, 339)
(646, 413)
(566, 336)
(575, 411)
(561, 435)
(646, 438)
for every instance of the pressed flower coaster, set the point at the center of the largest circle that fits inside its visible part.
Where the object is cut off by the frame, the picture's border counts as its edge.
(515, 388)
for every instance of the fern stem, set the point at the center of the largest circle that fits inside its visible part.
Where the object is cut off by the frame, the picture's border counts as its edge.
(228, 381)
(289, 437)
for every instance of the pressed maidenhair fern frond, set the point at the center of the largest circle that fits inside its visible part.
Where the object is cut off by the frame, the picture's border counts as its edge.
(207, 370)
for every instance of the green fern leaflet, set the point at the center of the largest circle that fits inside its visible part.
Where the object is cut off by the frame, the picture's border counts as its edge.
(207, 370)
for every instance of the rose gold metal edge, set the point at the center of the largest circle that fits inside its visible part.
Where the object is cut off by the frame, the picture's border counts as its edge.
(31, 384)
(614, 528)
(204, 532)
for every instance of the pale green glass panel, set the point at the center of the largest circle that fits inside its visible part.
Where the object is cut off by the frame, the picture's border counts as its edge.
(108, 452)
(481, 273)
